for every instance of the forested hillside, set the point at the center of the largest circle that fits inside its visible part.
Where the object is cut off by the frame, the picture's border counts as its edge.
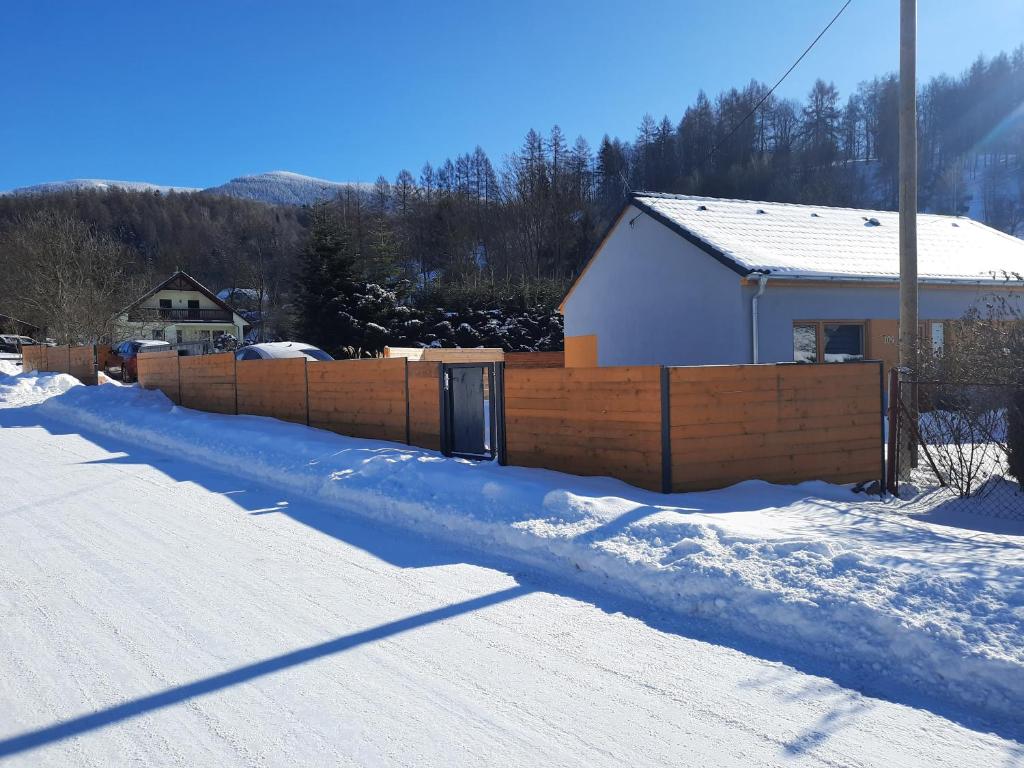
(465, 242)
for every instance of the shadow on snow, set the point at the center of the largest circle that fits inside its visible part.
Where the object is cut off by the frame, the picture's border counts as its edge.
(406, 549)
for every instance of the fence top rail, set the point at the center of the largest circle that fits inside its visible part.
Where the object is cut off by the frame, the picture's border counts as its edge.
(162, 353)
(781, 364)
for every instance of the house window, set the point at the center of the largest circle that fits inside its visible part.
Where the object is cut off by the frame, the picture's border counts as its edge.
(843, 342)
(805, 343)
(826, 342)
(938, 337)
(165, 303)
(193, 303)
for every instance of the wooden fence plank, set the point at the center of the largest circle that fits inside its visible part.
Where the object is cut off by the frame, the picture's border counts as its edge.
(602, 421)
(425, 405)
(359, 398)
(159, 370)
(782, 423)
(275, 388)
(208, 382)
(534, 360)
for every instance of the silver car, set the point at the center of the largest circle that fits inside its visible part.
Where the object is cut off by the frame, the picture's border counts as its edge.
(274, 350)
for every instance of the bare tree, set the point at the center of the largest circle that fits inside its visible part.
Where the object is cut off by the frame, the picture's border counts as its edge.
(65, 276)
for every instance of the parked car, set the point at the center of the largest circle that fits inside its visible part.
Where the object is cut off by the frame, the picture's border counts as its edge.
(126, 354)
(12, 344)
(273, 350)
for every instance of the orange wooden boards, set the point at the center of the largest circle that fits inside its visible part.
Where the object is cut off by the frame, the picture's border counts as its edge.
(359, 398)
(586, 421)
(159, 370)
(33, 358)
(781, 423)
(208, 382)
(79, 361)
(275, 388)
(425, 405)
(581, 351)
(534, 360)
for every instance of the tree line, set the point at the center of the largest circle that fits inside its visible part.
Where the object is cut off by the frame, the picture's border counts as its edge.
(467, 241)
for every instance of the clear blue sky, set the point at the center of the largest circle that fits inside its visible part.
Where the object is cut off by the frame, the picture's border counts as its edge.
(194, 93)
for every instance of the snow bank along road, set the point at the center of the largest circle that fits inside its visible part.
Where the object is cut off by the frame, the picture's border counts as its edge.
(159, 612)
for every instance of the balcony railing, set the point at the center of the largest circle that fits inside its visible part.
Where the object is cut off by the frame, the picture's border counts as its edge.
(169, 315)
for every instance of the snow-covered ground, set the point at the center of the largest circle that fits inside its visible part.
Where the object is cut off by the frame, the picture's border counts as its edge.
(205, 616)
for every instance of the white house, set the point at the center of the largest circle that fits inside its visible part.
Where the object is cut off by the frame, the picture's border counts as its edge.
(179, 310)
(681, 280)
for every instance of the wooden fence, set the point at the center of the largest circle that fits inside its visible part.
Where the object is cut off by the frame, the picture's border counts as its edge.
(447, 354)
(361, 398)
(781, 423)
(207, 382)
(669, 429)
(425, 405)
(162, 373)
(697, 428)
(275, 388)
(78, 361)
(534, 360)
(587, 421)
(382, 399)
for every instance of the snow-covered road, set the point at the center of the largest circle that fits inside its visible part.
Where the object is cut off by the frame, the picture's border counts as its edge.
(156, 612)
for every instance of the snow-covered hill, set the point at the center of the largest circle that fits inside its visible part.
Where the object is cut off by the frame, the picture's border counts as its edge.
(276, 187)
(50, 187)
(283, 188)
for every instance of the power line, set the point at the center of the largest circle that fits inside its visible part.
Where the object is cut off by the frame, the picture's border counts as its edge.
(779, 81)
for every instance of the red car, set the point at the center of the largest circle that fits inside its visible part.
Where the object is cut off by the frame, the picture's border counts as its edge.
(126, 365)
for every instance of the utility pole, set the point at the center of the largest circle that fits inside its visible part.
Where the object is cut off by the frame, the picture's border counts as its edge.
(908, 215)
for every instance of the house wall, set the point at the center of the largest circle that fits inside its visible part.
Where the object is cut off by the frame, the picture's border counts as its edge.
(782, 305)
(179, 299)
(651, 297)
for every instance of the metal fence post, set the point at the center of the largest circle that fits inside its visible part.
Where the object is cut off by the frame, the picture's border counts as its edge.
(498, 405)
(408, 434)
(893, 460)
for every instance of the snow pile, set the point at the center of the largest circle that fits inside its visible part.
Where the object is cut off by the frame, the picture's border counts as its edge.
(892, 600)
(17, 388)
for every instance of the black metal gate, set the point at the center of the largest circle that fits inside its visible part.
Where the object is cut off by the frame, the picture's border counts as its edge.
(472, 410)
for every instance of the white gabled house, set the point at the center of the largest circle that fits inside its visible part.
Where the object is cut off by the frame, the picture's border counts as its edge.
(181, 311)
(681, 280)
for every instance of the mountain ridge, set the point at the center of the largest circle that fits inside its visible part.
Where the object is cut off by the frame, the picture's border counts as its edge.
(273, 187)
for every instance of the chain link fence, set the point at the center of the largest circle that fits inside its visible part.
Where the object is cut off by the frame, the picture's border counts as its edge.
(962, 441)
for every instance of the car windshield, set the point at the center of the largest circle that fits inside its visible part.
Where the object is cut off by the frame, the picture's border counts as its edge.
(316, 354)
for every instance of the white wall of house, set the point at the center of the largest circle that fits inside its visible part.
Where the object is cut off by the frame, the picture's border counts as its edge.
(179, 299)
(651, 297)
(781, 306)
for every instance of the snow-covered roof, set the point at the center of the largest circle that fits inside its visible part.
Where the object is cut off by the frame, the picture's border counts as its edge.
(814, 241)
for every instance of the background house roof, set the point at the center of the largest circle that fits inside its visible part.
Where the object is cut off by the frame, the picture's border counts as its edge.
(181, 281)
(812, 241)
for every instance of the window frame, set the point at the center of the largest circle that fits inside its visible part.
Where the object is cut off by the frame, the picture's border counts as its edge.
(819, 326)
